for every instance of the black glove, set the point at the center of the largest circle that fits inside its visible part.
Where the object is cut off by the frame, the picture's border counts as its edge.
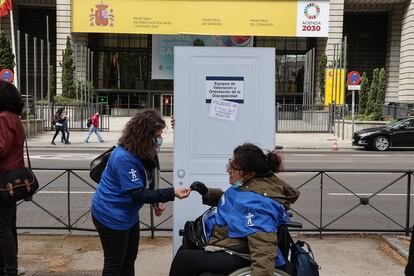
(199, 187)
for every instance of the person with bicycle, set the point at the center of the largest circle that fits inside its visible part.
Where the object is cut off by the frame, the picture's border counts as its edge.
(243, 231)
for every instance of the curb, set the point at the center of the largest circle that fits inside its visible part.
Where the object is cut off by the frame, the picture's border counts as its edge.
(396, 245)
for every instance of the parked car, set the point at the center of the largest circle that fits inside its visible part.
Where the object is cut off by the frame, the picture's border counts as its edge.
(399, 133)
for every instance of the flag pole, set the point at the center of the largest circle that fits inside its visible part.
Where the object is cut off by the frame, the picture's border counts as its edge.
(14, 48)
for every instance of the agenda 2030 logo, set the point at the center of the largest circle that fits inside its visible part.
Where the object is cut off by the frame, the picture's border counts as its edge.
(312, 11)
(101, 16)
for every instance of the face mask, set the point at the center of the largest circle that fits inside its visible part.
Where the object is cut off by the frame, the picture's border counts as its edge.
(158, 142)
(236, 184)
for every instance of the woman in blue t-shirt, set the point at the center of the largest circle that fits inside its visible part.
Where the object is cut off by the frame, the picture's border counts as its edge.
(122, 191)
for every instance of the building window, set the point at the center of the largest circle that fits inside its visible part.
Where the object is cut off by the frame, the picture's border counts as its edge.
(290, 64)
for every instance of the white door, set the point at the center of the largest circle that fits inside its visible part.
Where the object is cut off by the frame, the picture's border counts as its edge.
(203, 144)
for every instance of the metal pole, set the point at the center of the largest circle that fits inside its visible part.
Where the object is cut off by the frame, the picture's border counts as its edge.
(76, 72)
(35, 79)
(407, 218)
(18, 56)
(345, 71)
(26, 43)
(353, 110)
(48, 62)
(16, 83)
(91, 77)
(41, 68)
(81, 76)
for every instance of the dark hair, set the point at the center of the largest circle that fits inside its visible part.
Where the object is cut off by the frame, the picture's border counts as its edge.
(60, 111)
(251, 158)
(138, 134)
(10, 98)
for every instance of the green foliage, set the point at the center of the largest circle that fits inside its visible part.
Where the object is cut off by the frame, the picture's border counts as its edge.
(322, 68)
(62, 100)
(379, 101)
(363, 94)
(68, 70)
(372, 95)
(6, 53)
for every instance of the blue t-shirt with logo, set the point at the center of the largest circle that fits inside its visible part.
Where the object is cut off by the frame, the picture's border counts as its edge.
(112, 205)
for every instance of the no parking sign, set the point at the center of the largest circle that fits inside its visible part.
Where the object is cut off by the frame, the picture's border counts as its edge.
(7, 75)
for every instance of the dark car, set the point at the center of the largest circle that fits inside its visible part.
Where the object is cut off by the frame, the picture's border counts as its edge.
(396, 134)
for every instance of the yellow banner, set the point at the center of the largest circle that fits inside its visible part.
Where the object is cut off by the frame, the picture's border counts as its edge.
(334, 86)
(220, 17)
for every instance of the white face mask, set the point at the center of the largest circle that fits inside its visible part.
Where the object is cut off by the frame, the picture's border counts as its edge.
(158, 142)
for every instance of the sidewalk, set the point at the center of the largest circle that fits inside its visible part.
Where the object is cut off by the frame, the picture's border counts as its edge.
(82, 255)
(290, 141)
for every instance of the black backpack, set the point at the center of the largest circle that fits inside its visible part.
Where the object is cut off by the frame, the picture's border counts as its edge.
(303, 260)
(299, 262)
(89, 123)
(98, 165)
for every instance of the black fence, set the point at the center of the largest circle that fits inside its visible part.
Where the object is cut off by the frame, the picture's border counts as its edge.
(78, 115)
(331, 201)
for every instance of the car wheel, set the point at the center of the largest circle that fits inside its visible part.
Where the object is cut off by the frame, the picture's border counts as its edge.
(381, 143)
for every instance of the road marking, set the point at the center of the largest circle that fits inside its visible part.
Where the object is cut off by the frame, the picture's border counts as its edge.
(65, 192)
(310, 155)
(64, 156)
(369, 155)
(317, 161)
(366, 194)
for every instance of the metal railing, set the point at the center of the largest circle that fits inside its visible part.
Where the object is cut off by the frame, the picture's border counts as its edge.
(78, 115)
(303, 118)
(364, 207)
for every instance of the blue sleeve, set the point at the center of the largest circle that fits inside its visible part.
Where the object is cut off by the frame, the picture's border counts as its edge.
(130, 173)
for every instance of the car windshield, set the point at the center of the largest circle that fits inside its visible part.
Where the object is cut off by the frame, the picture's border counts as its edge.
(394, 123)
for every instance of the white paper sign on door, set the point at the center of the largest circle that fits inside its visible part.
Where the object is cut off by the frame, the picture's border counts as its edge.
(225, 88)
(224, 110)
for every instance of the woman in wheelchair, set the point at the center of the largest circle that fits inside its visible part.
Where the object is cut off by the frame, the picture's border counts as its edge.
(243, 230)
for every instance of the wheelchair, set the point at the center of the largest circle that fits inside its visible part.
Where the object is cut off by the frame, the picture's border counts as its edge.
(246, 271)
(283, 246)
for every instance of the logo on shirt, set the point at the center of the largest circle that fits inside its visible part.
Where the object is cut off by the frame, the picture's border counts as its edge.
(133, 174)
(249, 219)
(223, 200)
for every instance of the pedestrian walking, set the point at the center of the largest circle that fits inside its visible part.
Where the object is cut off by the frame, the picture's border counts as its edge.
(126, 185)
(65, 127)
(94, 128)
(11, 158)
(59, 125)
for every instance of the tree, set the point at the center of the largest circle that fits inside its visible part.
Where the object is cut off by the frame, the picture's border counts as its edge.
(372, 95)
(379, 101)
(68, 70)
(322, 68)
(363, 94)
(6, 53)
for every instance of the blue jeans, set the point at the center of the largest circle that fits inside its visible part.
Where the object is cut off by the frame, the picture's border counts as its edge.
(93, 129)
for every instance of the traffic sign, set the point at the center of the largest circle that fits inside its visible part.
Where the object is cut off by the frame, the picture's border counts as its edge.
(354, 78)
(7, 75)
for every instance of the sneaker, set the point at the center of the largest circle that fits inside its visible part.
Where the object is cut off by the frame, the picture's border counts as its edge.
(21, 270)
(53, 143)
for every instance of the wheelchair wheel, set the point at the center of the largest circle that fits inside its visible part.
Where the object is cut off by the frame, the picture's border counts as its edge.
(246, 272)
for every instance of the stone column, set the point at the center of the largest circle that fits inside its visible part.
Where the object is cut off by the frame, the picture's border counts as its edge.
(406, 78)
(63, 18)
(392, 67)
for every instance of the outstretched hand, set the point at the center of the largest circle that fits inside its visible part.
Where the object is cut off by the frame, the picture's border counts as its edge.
(182, 192)
(199, 187)
(159, 209)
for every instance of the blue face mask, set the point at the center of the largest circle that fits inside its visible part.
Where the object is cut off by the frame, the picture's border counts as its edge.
(236, 184)
(158, 141)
